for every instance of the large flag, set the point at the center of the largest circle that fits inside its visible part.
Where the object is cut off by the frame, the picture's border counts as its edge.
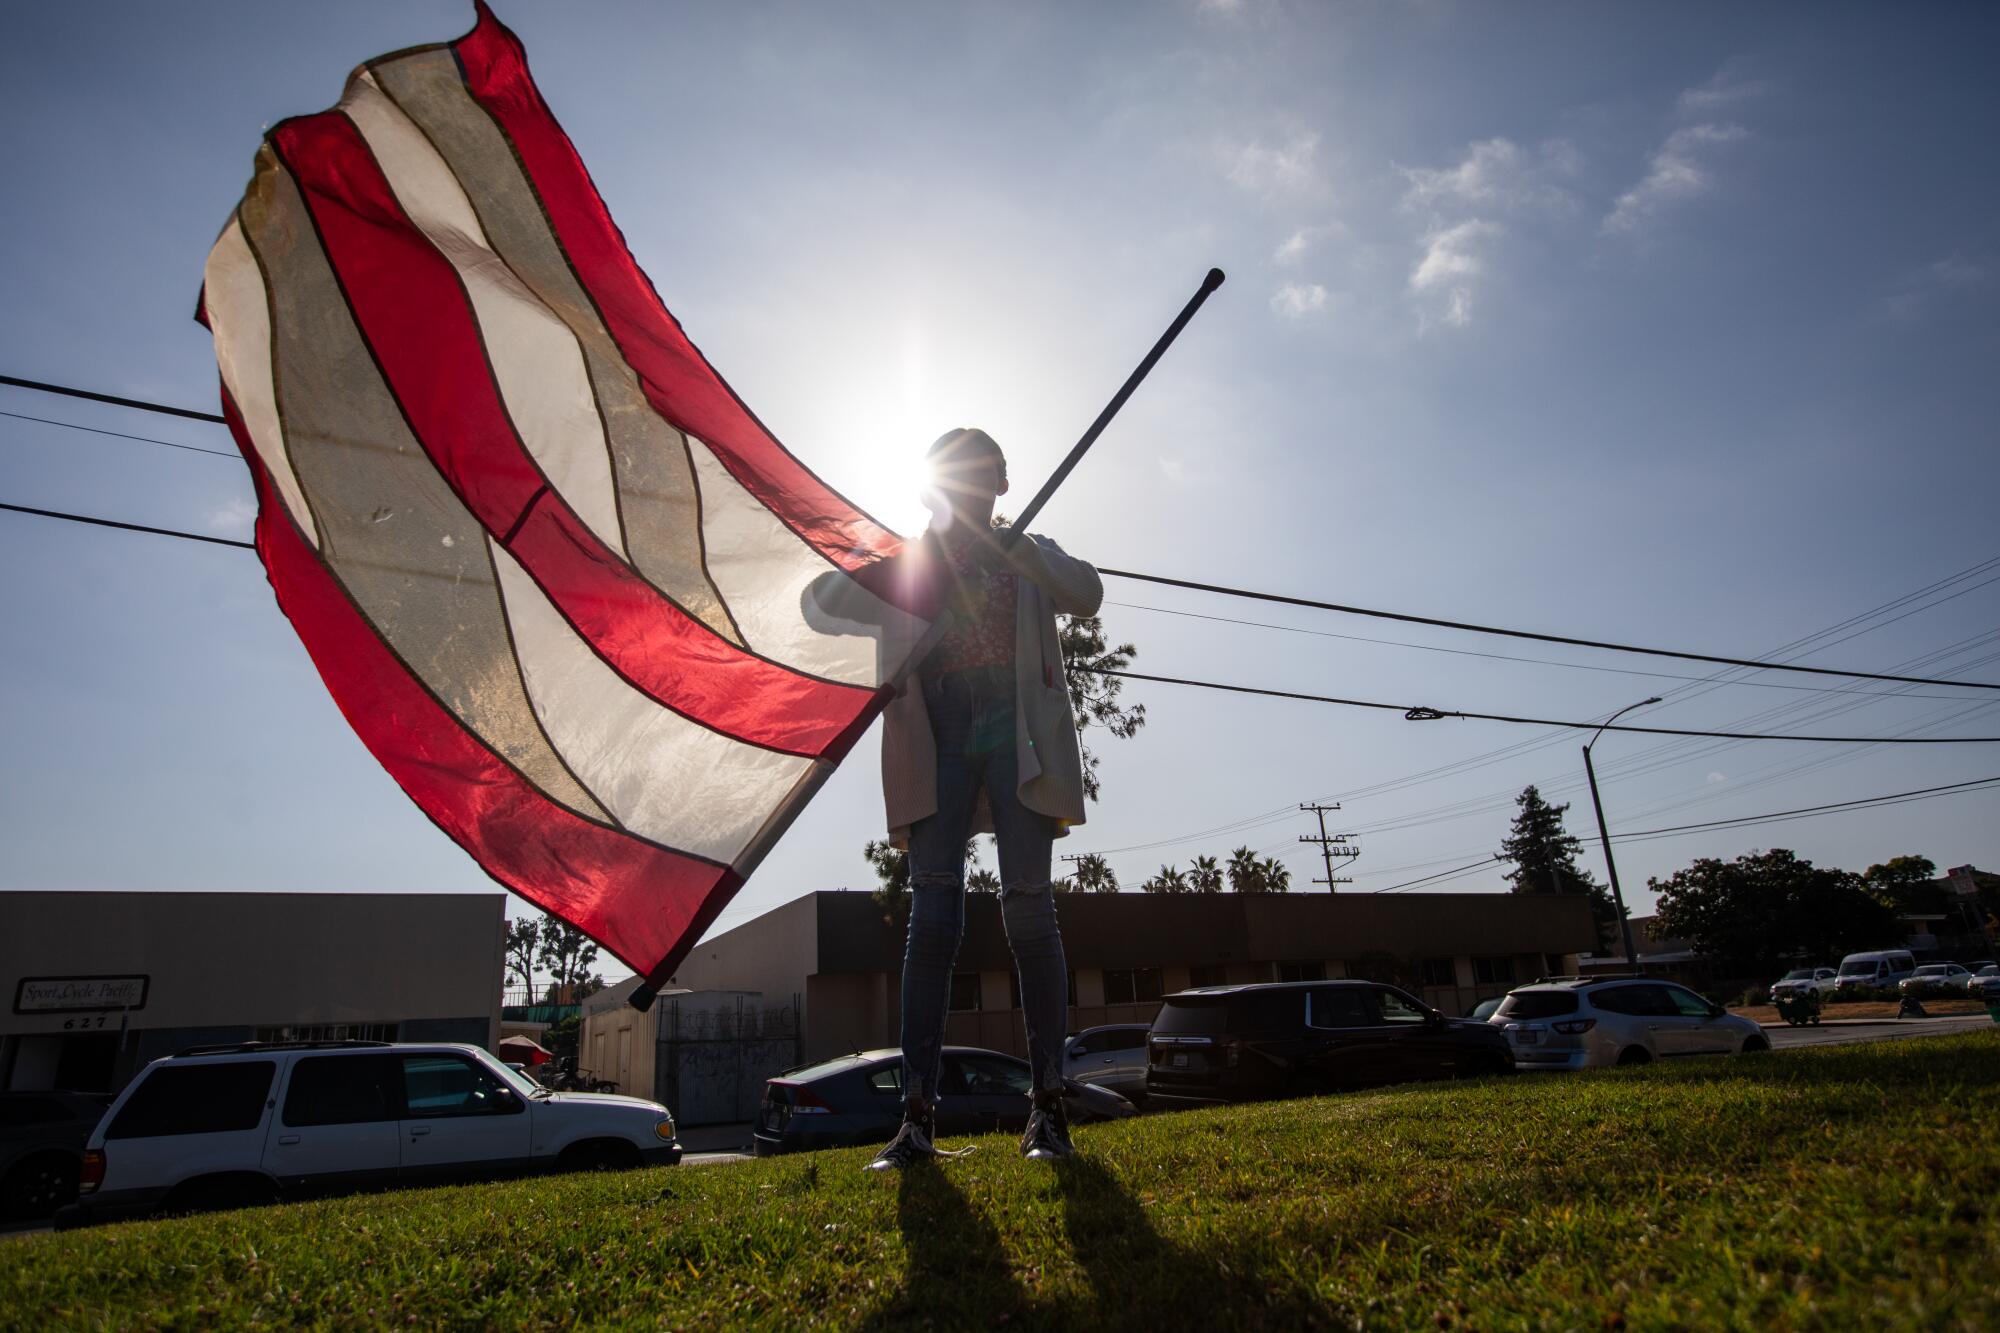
(580, 603)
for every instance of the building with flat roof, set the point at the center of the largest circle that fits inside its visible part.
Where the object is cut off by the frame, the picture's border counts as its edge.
(841, 953)
(100, 984)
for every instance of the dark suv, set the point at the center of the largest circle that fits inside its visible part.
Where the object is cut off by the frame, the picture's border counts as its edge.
(1240, 1043)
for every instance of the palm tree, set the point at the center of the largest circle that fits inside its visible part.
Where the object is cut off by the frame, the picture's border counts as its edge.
(1094, 874)
(1169, 880)
(1277, 876)
(1246, 872)
(1206, 875)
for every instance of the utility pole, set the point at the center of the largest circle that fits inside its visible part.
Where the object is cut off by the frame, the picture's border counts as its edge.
(1330, 845)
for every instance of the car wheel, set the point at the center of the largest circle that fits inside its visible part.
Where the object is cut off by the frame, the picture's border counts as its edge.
(1755, 1045)
(38, 1185)
(1635, 1055)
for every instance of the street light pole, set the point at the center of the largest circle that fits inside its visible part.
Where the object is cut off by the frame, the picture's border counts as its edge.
(1604, 832)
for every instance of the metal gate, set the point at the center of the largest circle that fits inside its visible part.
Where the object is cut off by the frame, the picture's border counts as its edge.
(715, 1053)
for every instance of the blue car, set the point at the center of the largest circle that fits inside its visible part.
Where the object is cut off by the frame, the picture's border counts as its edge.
(858, 1099)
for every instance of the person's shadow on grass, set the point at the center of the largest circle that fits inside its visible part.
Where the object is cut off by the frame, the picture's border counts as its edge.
(957, 1274)
(1138, 1278)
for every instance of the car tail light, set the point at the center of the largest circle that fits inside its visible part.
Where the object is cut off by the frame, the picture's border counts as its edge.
(1232, 1052)
(93, 1171)
(807, 1102)
(1574, 1027)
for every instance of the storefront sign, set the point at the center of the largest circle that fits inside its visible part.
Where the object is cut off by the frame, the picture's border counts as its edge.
(69, 995)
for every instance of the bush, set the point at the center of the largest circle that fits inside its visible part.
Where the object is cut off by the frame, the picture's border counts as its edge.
(1754, 996)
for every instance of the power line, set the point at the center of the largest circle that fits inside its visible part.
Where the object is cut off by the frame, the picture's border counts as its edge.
(129, 527)
(114, 400)
(1772, 817)
(1511, 657)
(1423, 713)
(121, 435)
(1470, 627)
(1413, 713)
(1220, 589)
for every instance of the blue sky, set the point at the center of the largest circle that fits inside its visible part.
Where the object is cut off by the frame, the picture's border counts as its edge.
(1663, 324)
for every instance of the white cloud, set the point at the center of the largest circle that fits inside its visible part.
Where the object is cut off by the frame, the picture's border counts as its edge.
(1451, 260)
(1293, 248)
(1220, 6)
(1296, 300)
(234, 517)
(1289, 168)
(1496, 174)
(1679, 170)
(1954, 275)
(1715, 776)
(1729, 86)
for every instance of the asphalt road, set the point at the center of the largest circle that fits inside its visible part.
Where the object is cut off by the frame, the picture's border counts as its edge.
(1844, 1030)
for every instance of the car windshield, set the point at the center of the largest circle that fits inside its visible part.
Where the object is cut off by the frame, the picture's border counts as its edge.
(1858, 967)
(1932, 970)
(1538, 1004)
(1798, 974)
(517, 1080)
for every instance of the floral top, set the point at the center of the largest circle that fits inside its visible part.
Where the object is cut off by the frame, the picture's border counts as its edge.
(981, 633)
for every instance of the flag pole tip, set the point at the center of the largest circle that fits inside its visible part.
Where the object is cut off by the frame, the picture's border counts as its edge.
(1212, 281)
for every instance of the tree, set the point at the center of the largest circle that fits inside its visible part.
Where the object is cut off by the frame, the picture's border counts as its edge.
(567, 955)
(1168, 880)
(1092, 695)
(1094, 874)
(1544, 855)
(1906, 885)
(1205, 875)
(892, 872)
(1250, 873)
(982, 880)
(522, 936)
(1762, 910)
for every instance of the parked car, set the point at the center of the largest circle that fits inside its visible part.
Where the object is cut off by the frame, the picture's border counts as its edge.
(42, 1135)
(858, 1099)
(1112, 1056)
(229, 1126)
(1484, 1010)
(1935, 979)
(1287, 1039)
(1585, 1024)
(1878, 969)
(1819, 980)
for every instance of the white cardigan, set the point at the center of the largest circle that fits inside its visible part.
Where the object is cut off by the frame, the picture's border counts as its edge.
(1051, 764)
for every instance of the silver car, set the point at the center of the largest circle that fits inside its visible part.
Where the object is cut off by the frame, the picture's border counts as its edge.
(1985, 983)
(1935, 979)
(1618, 1021)
(1112, 1056)
(1801, 979)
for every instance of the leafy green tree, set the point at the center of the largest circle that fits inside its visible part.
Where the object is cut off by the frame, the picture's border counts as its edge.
(1094, 696)
(1277, 875)
(982, 880)
(1093, 874)
(1170, 879)
(567, 955)
(522, 936)
(1205, 875)
(1246, 872)
(1906, 885)
(1544, 855)
(1762, 910)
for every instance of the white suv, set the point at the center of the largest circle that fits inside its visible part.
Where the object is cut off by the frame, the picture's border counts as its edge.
(1582, 1023)
(227, 1126)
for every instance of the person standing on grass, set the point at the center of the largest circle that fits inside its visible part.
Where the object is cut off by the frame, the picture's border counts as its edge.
(982, 739)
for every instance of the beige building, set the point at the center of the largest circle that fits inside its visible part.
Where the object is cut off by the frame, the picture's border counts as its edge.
(841, 954)
(100, 984)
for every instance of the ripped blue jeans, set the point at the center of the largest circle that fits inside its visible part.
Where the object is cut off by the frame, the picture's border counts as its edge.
(972, 721)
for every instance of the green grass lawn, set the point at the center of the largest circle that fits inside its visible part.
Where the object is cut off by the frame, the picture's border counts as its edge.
(1852, 1187)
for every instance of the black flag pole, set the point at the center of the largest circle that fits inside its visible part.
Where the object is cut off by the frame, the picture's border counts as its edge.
(1056, 478)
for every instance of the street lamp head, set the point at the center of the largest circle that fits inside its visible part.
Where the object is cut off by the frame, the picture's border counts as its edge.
(1655, 699)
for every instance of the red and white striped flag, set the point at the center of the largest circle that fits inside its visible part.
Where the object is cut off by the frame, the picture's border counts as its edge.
(563, 584)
